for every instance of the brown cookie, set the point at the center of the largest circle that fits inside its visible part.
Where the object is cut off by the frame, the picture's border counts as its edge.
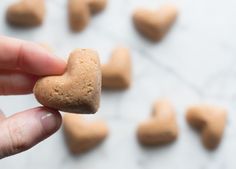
(116, 74)
(26, 13)
(82, 135)
(96, 6)
(210, 120)
(78, 89)
(155, 24)
(161, 128)
(79, 14)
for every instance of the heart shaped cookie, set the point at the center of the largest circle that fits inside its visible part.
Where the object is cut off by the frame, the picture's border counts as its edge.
(161, 128)
(155, 24)
(78, 89)
(210, 120)
(82, 135)
(26, 13)
(116, 74)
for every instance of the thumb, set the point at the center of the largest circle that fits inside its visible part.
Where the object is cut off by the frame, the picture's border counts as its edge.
(24, 130)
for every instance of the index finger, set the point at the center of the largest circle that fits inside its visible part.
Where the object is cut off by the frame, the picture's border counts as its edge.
(28, 57)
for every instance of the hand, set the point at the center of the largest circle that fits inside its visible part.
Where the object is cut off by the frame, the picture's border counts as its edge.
(21, 63)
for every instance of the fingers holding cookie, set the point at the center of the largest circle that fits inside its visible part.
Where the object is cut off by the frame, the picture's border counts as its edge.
(16, 82)
(26, 129)
(28, 57)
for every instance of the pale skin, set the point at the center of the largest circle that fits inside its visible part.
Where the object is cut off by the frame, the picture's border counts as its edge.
(21, 64)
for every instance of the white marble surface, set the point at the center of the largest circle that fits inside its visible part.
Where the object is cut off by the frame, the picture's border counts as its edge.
(193, 64)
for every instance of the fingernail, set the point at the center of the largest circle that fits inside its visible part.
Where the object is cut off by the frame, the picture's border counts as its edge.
(50, 122)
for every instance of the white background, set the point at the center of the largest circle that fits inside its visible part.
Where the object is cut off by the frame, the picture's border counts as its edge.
(193, 64)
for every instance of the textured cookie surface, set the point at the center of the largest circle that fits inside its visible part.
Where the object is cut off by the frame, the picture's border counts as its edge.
(26, 13)
(161, 128)
(82, 135)
(154, 24)
(116, 74)
(78, 89)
